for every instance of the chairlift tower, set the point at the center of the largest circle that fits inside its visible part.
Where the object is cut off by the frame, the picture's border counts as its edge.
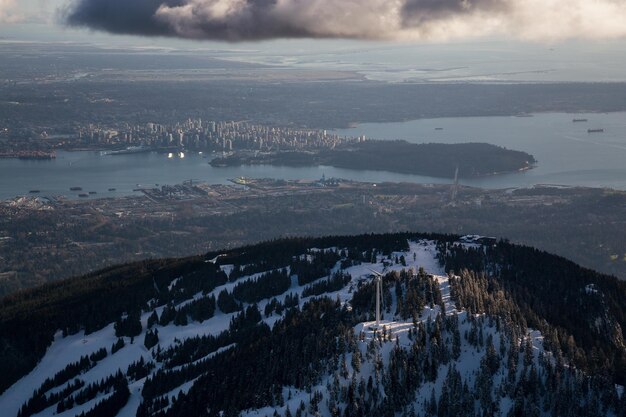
(378, 282)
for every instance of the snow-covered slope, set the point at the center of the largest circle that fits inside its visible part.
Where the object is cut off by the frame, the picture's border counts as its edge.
(444, 355)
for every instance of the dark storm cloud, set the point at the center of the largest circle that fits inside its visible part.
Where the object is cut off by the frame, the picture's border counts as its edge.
(181, 18)
(417, 12)
(119, 16)
(239, 20)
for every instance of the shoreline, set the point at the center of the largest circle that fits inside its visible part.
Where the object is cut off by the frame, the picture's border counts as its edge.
(311, 183)
(473, 177)
(357, 124)
(466, 161)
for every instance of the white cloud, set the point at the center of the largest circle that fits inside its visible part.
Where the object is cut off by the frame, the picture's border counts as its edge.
(9, 12)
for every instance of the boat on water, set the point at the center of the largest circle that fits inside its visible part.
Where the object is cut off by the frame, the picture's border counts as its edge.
(83, 195)
(36, 155)
(595, 130)
(34, 191)
(218, 164)
(439, 128)
(112, 189)
(93, 192)
(76, 188)
(579, 120)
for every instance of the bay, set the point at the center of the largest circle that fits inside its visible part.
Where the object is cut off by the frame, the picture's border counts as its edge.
(567, 155)
(566, 152)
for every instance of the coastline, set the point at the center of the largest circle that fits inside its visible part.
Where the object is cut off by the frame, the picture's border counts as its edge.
(445, 161)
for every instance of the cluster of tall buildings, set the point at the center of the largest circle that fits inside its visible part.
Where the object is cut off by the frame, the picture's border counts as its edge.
(196, 134)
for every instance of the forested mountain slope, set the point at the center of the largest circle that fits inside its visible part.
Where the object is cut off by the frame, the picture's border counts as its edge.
(470, 327)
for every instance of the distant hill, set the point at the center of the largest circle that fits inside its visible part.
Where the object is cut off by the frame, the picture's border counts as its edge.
(470, 326)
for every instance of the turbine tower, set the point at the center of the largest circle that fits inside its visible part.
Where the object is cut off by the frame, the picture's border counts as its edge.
(378, 278)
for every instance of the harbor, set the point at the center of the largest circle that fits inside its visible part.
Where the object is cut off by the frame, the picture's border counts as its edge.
(567, 154)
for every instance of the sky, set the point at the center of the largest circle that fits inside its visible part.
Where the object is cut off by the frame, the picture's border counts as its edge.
(397, 20)
(389, 20)
(446, 40)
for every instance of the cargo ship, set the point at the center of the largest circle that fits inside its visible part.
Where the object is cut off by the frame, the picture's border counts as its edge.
(76, 188)
(36, 155)
(595, 130)
(579, 120)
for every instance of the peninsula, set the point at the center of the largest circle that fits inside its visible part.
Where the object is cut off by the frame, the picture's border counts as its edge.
(429, 159)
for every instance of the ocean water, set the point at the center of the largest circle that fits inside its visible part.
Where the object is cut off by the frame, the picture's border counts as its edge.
(566, 154)
(94, 172)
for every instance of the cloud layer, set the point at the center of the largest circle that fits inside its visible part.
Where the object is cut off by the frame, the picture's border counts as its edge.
(8, 12)
(245, 20)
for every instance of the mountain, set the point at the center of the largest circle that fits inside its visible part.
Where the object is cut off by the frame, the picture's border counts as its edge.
(470, 326)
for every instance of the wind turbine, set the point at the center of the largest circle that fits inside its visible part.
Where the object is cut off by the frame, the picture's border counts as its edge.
(378, 278)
